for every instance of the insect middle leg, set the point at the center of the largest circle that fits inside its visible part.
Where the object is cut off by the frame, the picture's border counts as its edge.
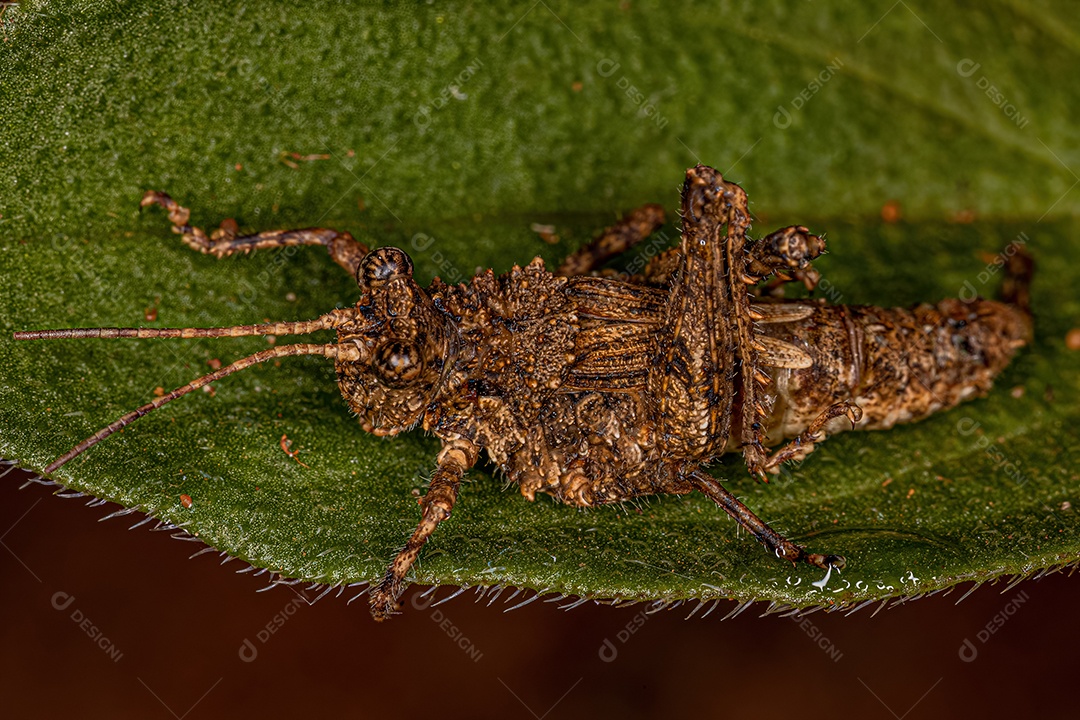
(803, 445)
(634, 227)
(345, 250)
(454, 459)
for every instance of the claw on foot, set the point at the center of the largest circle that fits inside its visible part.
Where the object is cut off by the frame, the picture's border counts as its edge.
(178, 215)
(384, 599)
(825, 561)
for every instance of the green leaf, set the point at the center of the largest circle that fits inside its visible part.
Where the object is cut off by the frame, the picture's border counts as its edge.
(450, 129)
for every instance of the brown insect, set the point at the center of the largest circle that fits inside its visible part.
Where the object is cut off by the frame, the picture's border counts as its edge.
(596, 389)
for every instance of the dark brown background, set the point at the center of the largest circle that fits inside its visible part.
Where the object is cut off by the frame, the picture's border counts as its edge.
(180, 625)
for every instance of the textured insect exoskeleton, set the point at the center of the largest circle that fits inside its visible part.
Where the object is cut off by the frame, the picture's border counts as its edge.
(595, 388)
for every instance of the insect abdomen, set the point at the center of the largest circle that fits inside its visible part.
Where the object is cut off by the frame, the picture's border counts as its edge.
(898, 364)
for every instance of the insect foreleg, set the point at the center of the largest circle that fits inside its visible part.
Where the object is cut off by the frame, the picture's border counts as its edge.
(345, 250)
(454, 459)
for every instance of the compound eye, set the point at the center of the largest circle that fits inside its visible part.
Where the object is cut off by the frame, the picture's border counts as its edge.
(382, 265)
(398, 363)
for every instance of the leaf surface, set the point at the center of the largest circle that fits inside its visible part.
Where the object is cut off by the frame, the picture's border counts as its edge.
(449, 130)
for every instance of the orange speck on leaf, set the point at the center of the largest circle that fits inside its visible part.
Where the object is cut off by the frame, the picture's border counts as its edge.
(890, 212)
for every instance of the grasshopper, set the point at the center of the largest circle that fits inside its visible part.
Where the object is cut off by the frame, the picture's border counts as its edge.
(596, 388)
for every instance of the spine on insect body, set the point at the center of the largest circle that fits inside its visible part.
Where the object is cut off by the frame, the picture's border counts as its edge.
(898, 364)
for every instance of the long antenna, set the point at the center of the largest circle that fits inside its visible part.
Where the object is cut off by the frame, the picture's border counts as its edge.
(330, 320)
(337, 352)
(326, 322)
